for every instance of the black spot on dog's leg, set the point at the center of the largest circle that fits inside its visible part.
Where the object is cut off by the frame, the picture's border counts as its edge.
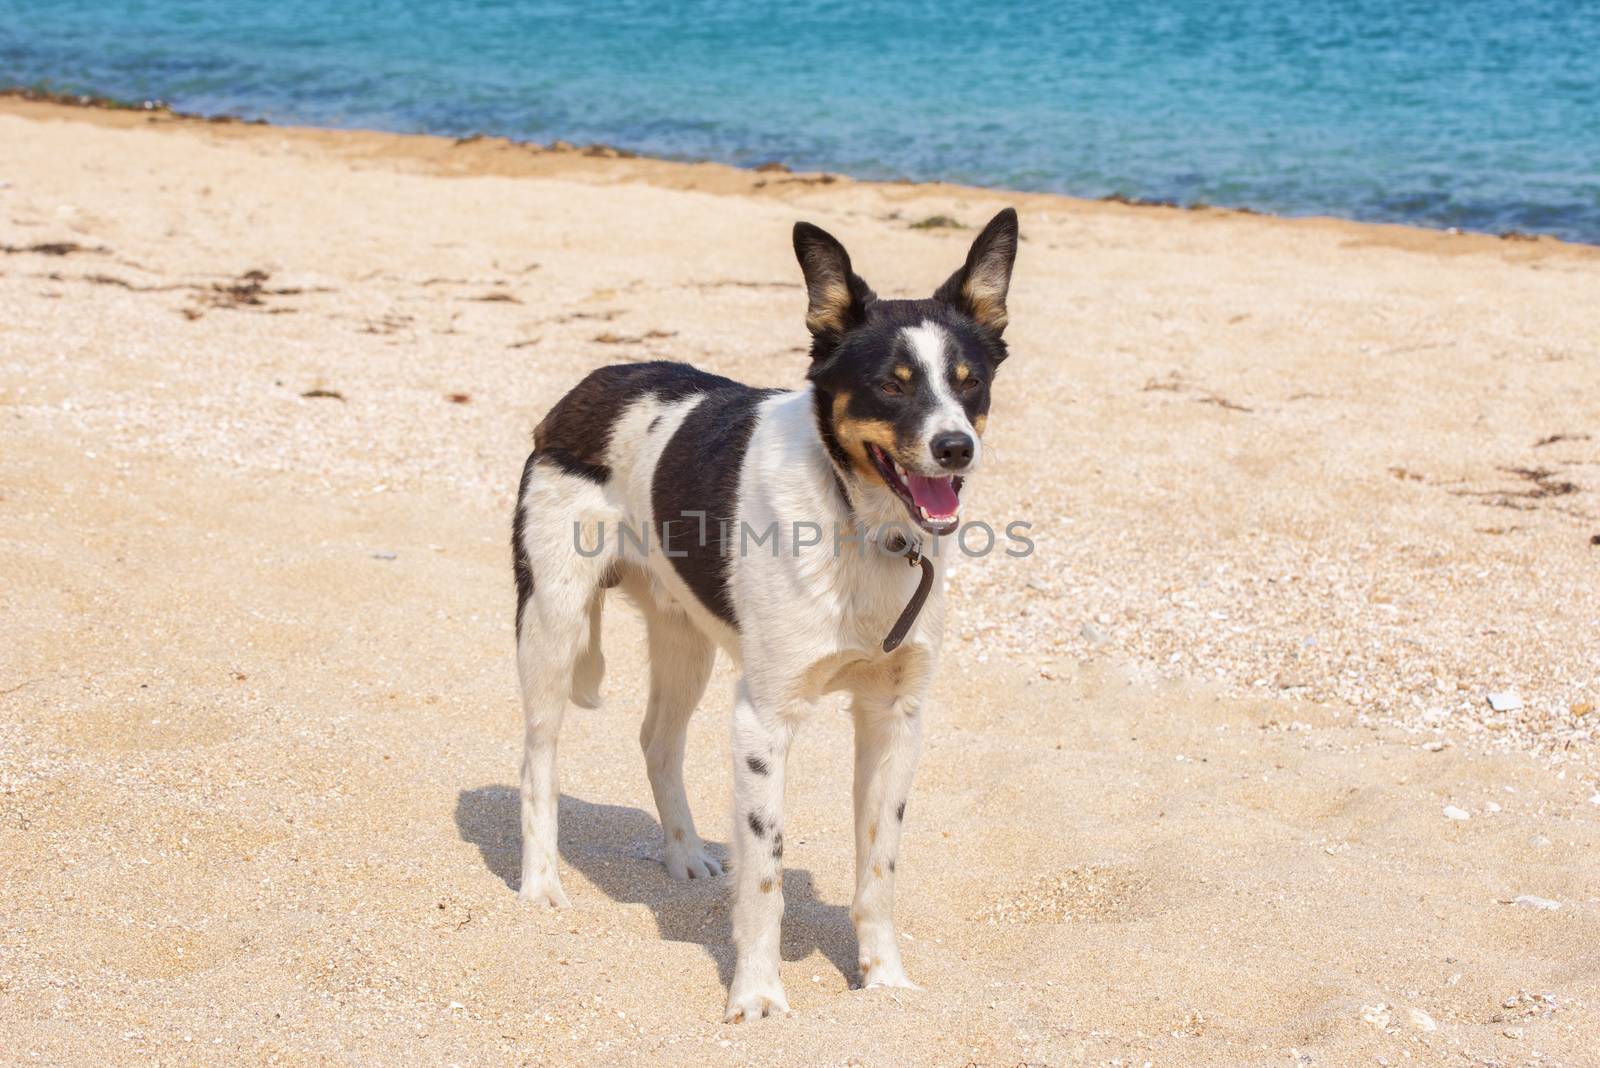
(756, 764)
(891, 866)
(777, 846)
(900, 813)
(756, 826)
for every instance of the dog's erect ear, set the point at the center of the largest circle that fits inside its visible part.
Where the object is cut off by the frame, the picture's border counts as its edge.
(836, 298)
(980, 287)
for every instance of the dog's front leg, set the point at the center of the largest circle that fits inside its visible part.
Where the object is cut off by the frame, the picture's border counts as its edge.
(760, 750)
(888, 741)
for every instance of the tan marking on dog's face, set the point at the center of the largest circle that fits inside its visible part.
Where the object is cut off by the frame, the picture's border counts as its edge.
(979, 423)
(902, 372)
(856, 434)
(963, 372)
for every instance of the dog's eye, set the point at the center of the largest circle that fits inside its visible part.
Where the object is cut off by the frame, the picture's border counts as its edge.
(968, 385)
(893, 388)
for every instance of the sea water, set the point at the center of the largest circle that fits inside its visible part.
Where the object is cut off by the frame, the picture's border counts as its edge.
(1477, 114)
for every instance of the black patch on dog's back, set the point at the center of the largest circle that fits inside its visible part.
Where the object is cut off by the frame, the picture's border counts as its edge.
(566, 461)
(577, 432)
(699, 472)
(574, 436)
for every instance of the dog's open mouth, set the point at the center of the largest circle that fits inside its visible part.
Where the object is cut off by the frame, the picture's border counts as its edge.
(933, 501)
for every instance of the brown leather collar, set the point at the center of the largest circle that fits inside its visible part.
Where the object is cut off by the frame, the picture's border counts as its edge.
(898, 545)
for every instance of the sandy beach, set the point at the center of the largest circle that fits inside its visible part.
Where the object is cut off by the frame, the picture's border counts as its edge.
(1212, 778)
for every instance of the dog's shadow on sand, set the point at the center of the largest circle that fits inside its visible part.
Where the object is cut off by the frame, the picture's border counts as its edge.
(617, 849)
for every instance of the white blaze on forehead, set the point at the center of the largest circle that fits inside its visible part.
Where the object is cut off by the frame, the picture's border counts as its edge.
(928, 342)
(930, 346)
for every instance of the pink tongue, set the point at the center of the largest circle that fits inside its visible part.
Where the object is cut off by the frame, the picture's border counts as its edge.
(937, 495)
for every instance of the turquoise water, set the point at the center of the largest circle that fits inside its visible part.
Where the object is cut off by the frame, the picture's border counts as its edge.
(1473, 114)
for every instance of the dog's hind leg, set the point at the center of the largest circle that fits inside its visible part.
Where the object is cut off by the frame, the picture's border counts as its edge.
(680, 663)
(560, 520)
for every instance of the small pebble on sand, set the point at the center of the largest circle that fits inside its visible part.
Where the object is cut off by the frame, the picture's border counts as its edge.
(1451, 812)
(1529, 901)
(1506, 701)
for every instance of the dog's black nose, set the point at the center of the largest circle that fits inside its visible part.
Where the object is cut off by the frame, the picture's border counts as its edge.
(952, 449)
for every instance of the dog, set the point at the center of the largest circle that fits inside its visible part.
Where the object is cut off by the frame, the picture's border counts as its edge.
(776, 526)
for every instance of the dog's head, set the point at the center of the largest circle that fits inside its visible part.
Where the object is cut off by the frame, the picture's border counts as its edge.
(902, 386)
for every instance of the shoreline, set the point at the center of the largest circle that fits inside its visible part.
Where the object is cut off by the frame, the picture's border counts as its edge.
(485, 154)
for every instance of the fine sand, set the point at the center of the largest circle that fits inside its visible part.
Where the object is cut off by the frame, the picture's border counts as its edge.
(1304, 494)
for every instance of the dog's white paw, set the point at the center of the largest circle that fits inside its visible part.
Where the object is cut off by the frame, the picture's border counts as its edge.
(690, 860)
(752, 1002)
(879, 972)
(545, 892)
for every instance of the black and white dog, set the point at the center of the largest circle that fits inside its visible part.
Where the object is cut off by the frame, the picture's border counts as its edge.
(775, 525)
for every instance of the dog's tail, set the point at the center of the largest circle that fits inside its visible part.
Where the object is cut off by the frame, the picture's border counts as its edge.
(590, 668)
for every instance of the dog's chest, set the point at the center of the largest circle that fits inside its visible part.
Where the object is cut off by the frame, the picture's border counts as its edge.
(881, 592)
(850, 603)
